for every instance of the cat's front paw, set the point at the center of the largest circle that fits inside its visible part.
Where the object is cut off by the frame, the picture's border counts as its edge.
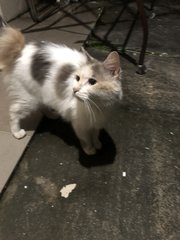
(98, 144)
(89, 150)
(20, 134)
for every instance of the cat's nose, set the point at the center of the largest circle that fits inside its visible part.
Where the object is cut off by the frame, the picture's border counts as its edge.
(75, 89)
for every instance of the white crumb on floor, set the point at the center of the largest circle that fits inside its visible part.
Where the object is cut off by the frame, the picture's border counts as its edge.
(147, 148)
(66, 190)
(124, 174)
(25, 187)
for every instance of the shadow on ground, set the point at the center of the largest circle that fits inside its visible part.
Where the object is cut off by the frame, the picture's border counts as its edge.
(64, 131)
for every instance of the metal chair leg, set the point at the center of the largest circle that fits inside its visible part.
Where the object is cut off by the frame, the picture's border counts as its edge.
(141, 67)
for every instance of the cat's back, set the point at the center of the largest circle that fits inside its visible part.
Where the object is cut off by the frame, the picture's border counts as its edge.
(62, 54)
(39, 66)
(41, 57)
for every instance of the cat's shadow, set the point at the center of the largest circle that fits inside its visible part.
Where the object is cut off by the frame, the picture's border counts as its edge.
(65, 132)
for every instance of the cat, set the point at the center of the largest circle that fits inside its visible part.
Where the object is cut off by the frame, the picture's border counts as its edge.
(81, 89)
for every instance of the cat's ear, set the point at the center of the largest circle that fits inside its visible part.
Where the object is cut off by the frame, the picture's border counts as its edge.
(112, 63)
(89, 57)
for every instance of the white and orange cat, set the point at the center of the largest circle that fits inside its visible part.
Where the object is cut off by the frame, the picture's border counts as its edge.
(79, 88)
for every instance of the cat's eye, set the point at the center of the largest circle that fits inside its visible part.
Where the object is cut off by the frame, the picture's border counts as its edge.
(77, 78)
(92, 81)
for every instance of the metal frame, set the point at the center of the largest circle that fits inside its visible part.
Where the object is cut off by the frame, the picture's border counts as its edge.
(141, 69)
(140, 5)
(39, 15)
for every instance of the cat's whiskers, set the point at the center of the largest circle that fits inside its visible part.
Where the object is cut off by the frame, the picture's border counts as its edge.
(89, 111)
(97, 107)
(87, 103)
(91, 101)
(92, 112)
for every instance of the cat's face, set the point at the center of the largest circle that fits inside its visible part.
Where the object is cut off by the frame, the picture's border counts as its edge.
(99, 82)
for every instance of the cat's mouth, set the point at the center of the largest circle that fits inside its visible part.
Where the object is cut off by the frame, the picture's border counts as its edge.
(78, 97)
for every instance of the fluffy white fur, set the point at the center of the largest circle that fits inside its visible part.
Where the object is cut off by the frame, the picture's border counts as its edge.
(80, 101)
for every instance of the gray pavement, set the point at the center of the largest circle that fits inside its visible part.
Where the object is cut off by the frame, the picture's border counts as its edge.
(142, 139)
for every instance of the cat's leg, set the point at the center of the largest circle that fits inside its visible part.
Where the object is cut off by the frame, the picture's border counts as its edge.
(88, 147)
(95, 138)
(85, 138)
(19, 110)
(16, 114)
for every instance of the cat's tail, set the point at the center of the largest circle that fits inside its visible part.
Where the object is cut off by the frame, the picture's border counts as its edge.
(11, 44)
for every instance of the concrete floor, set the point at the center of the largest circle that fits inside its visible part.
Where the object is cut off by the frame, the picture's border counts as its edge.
(142, 140)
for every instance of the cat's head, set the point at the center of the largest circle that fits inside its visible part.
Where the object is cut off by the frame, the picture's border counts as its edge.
(99, 81)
